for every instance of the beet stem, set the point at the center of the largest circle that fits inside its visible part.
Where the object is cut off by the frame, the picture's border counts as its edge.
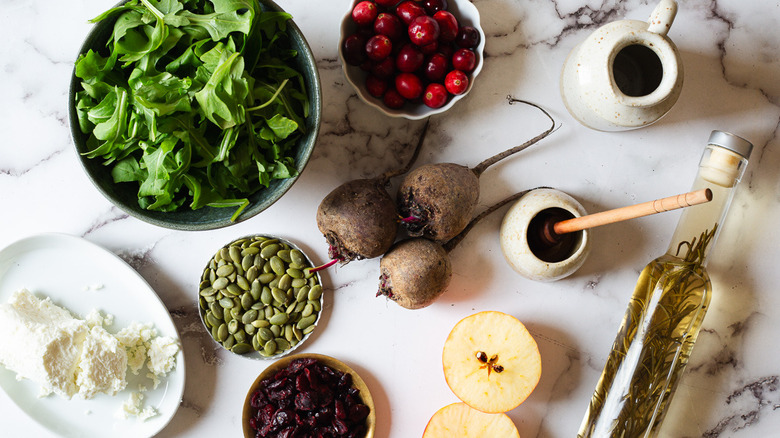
(325, 266)
(393, 173)
(452, 243)
(410, 219)
(481, 167)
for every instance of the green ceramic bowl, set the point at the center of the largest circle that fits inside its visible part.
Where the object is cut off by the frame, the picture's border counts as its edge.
(124, 195)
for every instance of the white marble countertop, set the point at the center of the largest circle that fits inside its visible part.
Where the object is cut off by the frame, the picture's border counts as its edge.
(731, 55)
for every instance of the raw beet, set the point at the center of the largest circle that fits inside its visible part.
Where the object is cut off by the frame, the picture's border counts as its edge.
(416, 271)
(359, 218)
(438, 200)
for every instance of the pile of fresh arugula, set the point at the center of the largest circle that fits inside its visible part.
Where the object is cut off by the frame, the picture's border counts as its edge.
(195, 101)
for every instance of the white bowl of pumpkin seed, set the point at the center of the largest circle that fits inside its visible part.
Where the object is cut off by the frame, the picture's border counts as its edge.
(259, 298)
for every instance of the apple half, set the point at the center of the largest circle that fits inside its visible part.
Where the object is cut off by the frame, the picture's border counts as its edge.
(491, 362)
(462, 421)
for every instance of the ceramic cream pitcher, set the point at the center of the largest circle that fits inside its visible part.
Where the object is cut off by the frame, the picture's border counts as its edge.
(626, 74)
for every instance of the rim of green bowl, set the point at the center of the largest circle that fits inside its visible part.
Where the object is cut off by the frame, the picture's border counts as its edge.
(205, 218)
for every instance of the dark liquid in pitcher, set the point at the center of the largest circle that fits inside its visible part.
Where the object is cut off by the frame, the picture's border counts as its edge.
(565, 246)
(637, 70)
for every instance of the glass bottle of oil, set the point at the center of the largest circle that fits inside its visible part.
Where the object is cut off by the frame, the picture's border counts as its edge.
(666, 309)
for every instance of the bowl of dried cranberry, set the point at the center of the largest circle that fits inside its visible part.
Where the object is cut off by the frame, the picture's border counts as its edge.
(309, 395)
(410, 58)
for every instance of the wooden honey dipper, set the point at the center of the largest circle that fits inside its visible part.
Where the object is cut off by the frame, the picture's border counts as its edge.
(552, 229)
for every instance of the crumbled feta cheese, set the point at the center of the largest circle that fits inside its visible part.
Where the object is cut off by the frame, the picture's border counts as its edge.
(134, 407)
(135, 339)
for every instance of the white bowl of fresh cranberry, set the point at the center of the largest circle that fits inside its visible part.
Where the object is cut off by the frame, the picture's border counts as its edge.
(411, 58)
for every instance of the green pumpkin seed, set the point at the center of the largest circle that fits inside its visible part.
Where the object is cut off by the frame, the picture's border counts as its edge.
(295, 273)
(266, 296)
(265, 334)
(276, 330)
(269, 251)
(249, 316)
(285, 282)
(315, 293)
(220, 283)
(208, 291)
(234, 290)
(270, 347)
(216, 310)
(233, 326)
(278, 319)
(298, 282)
(267, 268)
(226, 303)
(269, 242)
(229, 342)
(235, 254)
(307, 310)
(284, 254)
(297, 333)
(215, 333)
(279, 295)
(240, 335)
(260, 322)
(266, 277)
(259, 261)
(212, 320)
(282, 344)
(297, 257)
(269, 312)
(250, 251)
(222, 332)
(303, 294)
(247, 300)
(225, 270)
(250, 329)
(300, 305)
(241, 348)
(256, 290)
(309, 329)
(316, 304)
(251, 274)
(256, 344)
(277, 265)
(306, 322)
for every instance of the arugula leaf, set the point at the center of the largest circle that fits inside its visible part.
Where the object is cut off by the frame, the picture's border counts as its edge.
(194, 101)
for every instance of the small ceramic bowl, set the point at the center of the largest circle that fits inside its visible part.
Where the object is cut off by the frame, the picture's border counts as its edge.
(332, 363)
(465, 12)
(240, 293)
(520, 236)
(125, 195)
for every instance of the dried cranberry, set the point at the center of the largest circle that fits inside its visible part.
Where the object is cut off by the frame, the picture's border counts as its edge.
(340, 426)
(304, 401)
(358, 412)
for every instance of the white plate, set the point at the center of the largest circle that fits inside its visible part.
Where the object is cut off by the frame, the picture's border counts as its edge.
(67, 268)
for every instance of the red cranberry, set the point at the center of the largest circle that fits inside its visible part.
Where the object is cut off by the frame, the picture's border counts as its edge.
(430, 49)
(384, 69)
(376, 86)
(436, 67)
(390, 26)
(393, 99)
(354, 49)
(468, 37)
(408, 10)
(456, 82)
(435, 95)
(364, 13)
(464, 60)
(448, 26)
(433, 6)
(378, 47)
(409, 58)
(408, 85)
(423, 30)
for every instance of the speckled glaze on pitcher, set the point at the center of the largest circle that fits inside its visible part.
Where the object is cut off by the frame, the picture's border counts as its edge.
(625, 75)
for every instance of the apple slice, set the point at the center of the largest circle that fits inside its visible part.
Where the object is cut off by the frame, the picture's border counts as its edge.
(462, 421)
(491, 362)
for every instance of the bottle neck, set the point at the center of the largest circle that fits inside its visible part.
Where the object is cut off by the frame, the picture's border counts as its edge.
(720, 170)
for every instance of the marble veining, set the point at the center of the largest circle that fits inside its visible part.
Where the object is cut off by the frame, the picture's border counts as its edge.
(731, 55)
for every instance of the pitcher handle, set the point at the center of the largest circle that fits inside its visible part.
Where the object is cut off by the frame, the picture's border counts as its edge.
(662, 17)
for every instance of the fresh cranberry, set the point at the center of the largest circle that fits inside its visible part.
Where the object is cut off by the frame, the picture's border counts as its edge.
(456, 82)
(448, 26)
(390, 26)
(364, 13)
(436, 67)
(447, 50)
(384, 69)
(433, 6)
(376, 86)
(393, 99)
(464, 60)
(408, 85)
(430, 49)
(435, 95)
(409, 58)
(423, 30)
(378, 47)
(408, 10)
(468, 37)
(354, 49)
